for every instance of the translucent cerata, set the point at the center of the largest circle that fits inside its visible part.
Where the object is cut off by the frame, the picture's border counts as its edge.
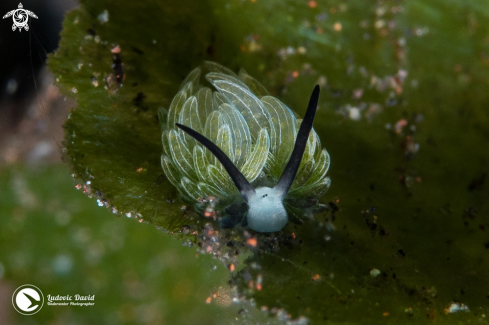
(231, 142)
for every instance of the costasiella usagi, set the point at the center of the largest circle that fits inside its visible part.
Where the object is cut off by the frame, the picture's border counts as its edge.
(240, 146)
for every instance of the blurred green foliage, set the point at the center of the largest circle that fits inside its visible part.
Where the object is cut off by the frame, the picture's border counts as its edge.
(56, 238)
(403, 115)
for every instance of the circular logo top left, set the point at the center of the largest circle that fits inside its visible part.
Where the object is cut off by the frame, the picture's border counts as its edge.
(27, 299)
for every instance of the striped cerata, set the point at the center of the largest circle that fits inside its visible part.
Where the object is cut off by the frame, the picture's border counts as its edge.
(233, 143)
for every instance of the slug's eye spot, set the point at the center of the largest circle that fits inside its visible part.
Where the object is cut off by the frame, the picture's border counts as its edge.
(234, 142)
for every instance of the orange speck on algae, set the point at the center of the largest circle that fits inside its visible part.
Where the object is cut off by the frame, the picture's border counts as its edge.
(312, 4)
(231, 267)
(208, 300)
(385, 313)
(337, 26)
(116, 49)
(252, 242)
(316, 277)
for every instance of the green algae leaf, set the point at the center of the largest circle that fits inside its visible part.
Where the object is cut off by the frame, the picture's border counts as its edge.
(110, 135)
(403, 115)
(88, 251)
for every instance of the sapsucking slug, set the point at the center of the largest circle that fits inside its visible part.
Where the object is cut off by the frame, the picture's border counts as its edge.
(240, 146)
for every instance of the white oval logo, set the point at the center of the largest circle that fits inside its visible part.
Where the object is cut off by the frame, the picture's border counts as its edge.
(27, 299)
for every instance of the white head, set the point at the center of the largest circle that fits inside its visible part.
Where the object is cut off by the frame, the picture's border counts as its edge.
(266, 211)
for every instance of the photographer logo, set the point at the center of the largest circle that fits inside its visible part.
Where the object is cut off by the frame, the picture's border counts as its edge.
(20, 17)
(27, 299)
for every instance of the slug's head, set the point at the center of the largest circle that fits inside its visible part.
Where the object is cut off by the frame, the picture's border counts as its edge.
(266, 212)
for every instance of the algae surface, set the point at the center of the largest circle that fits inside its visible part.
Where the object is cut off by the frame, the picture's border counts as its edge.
(403, 114)
(54, 236)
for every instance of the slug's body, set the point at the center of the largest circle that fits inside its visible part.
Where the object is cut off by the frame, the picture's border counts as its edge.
(239, 152)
